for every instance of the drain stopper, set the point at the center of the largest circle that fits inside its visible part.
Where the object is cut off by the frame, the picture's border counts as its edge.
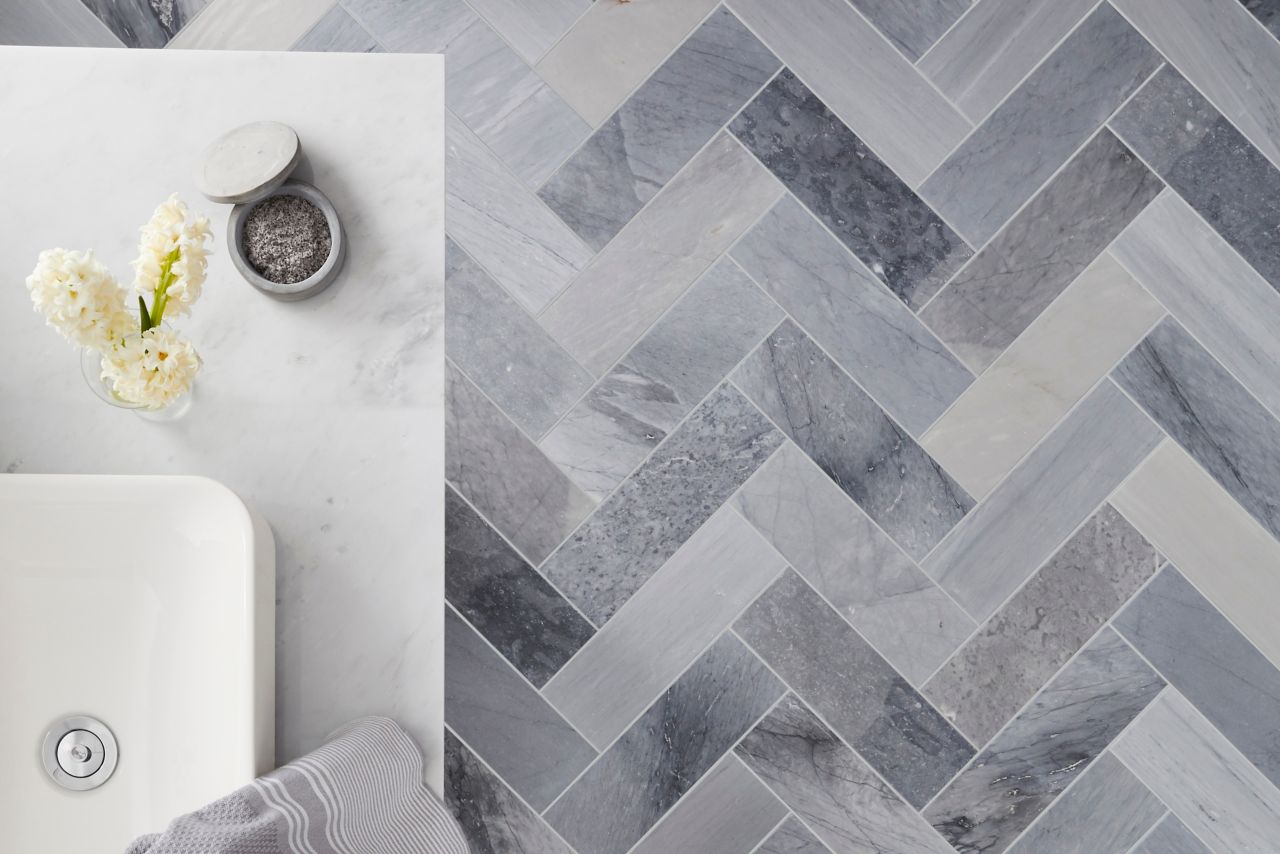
(79, 753)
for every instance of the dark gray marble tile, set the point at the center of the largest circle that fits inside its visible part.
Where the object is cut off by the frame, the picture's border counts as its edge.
(857, 196)
(1207, 412)
(338, 31)
(1214, 666)
(632, 156)
(1016, 276)
(1267, 12)
(506, 721)
(1050, 743)
(1171, 837)
(504, 598)
(1002, 163)
(145, 23)
(852, 315)
(1210, 164)
(494, 820)
(1043, 625)
(837, 794)
(842, 677)
(851, 438)
(792, 837)
(666, 751)
(660, 506)
(912, 25)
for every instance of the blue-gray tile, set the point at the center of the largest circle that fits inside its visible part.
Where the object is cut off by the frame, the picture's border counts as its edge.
(846, 185)
(792, 837)
(54, 23)
(912, 27)
(1030, 135)
(632, 156)
(851, 438)
(338, 31)
(1267, 12)
(1171, 837)
(145, 23)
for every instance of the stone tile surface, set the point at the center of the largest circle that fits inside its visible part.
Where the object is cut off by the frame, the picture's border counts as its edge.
(54, 23)
(792, 837)
(1171, 837)
(1267, 13)
(338, 31)
(912, 27)
(145, 23)
(531, 28)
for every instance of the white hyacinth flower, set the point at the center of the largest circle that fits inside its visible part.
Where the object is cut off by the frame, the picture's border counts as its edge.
(152, 369)
(79, 297)
(172, 258)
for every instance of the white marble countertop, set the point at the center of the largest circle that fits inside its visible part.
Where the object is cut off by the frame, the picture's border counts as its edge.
(325, 415)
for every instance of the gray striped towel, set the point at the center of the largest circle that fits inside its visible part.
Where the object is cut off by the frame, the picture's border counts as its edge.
(361, 793)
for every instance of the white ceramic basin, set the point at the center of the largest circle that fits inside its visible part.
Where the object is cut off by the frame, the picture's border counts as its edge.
(147, 603)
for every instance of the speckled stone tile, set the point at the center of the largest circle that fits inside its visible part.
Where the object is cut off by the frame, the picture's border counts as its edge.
(1171, 837)
(660, 506)
(792, 837)
(853, 564)
(145, 23)
(632, 156)
(1210, 663)
(682, 358)
(847, 682)
(843, 430)
(660, 758)
(338, 31)
(1050, 743)
(1210, 164)
(1209, 414)
(1043, 625)
(504, 350)
(846, 185)
(1028, 137)
(837, 794)
(852, 315)
(913, 26)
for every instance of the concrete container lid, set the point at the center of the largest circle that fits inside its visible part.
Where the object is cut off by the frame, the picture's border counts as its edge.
(249, 163)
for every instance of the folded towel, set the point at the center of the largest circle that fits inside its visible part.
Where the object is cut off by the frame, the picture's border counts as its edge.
(361, 793)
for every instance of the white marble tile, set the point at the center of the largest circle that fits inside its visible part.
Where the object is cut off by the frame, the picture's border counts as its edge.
(531, 28)
(250, 25)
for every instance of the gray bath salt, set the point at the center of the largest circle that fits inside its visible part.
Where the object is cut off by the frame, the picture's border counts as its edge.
(286, 239)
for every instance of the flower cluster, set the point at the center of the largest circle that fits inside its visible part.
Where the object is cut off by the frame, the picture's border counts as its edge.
(171, 261)
(154, 368)
(79, 297)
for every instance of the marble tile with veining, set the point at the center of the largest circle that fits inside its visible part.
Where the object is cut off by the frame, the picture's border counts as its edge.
(338, 31)
(1028, 137)
(852, 316)
(1267, 12)
(863, 79)
(833, 669)
(1068, 599)
(505, 721)
(660, 253)
(1209, 163)
(531, 28)
(912, 27)
(837, 794)
(504, 474)
(1208, 413)
(659, 507)
(682, 358)
(825, 165)
(54, 23)
(250, 25)
(145, 23)
(851, 438)
(504, 598)
(1171, 837)
(660, 127)
(1028, 264)
(1050, 743)
(1210, 663)
(1033, 511)
(853, 564)
(792, 837)
(660, 757)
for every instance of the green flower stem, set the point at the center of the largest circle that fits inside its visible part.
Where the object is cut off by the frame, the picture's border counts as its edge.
(162, 289)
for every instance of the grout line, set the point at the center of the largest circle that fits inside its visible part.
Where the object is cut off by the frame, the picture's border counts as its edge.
(1133, 849)
(954, 24)
(586, 7)
(788, 814)
(1168, 811)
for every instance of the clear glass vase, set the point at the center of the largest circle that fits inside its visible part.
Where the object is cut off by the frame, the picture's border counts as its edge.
(91, 369)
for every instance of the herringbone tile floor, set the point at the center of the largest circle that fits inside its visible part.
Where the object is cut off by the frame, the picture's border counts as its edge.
(861, 417)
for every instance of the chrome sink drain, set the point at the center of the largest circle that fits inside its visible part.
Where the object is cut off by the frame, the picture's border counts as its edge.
(79, 753)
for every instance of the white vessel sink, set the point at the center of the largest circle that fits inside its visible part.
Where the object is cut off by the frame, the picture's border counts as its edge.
(146, 603)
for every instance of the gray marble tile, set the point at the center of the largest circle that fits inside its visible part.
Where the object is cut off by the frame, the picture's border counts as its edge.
(728, 812)
(1210, 663)
(1050, 743)
(661, 757)
(1209, 163)
(1171, 837)
(847, 682)
(792, 837)
(501, 224)
(912, 26)
(852, 440)
(1016, 276)
(504, 598)
(1209, 414)
(338, 31)
(145, 23)
(1030, 135)
(837, 794)
(673, 618)
(1029, 515)
(1105, 812)
(516, 732)
(660, 253)
(1204, 781)
(846, 185)
(504, 350)
(983, 57)
(531, 28)
(853, 564)
(1267, 12)
(504, 474)
(660, 506)
(642, 398)
(636, 152)
(1044, 624)
(852, 315)
(494, 820)
(865, 81)
(54, 23)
